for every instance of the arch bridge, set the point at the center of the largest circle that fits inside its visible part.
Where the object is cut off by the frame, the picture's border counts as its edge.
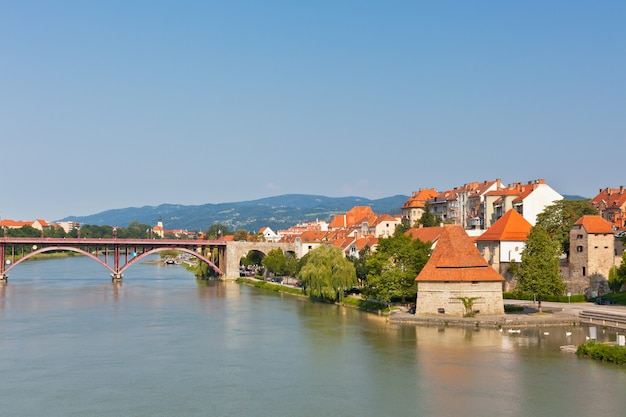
(122, 252)
(222, 256)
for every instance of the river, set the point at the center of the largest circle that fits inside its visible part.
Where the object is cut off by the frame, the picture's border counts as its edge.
(164, 344)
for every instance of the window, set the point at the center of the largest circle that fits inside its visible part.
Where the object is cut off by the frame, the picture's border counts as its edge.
(579, 237)
(584, 271)
(579, 248)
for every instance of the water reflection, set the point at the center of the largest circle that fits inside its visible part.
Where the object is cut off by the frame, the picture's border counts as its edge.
(164, 343)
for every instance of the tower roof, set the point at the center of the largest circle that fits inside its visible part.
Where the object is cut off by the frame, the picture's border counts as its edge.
(455, 258)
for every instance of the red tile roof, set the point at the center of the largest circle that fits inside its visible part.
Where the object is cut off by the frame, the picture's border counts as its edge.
(419, 198)
(510, 227)
(595, 224)
(425, 234)
(455, 258)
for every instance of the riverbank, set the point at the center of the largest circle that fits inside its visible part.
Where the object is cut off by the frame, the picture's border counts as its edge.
(528, 317)
(553, 314)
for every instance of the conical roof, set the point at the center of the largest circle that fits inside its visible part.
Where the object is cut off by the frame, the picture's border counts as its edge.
(455, 258)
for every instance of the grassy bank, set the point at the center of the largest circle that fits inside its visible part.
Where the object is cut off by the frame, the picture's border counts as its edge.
(361, 304)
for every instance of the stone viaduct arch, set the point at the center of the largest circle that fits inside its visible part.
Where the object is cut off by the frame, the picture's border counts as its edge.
(237, 250)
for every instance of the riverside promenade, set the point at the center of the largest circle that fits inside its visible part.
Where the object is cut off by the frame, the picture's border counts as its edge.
(553, 314)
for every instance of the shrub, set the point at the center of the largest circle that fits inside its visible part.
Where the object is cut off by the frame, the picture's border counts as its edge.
(603, 352)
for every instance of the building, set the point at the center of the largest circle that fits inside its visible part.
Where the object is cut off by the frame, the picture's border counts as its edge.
(457, 270)
(592, 254)
(414, 206)
(611, 204)
(527, 199)
(268, 235)
(503, 243)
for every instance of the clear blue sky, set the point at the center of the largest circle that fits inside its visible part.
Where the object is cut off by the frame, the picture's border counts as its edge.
(116, 104)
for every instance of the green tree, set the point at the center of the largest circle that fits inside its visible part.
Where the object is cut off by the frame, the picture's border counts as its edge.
(468, 304)
(216, 231)
(327, 273)
(621, 274)
(393, 267)
(428, 219)
(134, 230)
(538, 273)
(615, 281)
(274, 261)
(360, 264)
(240, 235)
(291, 264)
(559, 218)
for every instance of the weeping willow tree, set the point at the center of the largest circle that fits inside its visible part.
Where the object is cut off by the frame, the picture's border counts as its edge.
(327, 273)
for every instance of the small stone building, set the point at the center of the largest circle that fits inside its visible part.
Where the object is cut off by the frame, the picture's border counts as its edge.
(456, 269)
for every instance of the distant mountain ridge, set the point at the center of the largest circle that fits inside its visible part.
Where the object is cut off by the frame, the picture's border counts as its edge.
(280, 212)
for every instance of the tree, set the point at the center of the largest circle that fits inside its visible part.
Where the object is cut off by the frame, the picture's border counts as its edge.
(327, 273)
(559, 218)
(620, 278)
(360, 265)
(291, 264)
(135, 230)
(216, 231)
(538, 273)
(428, 219)
(393, 267)
(274, 261)
(468, 304)
(615, 281)
(240, 235)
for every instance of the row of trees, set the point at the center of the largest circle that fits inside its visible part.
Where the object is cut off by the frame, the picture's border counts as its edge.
(134, 230)
(385, 275)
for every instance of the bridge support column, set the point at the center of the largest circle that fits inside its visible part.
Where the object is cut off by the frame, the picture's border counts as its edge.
(116, 277)
(3, 277)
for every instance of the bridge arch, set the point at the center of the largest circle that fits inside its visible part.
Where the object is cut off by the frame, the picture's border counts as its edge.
(237, 250)
(156, 250)
(130, 261)
(56, 249)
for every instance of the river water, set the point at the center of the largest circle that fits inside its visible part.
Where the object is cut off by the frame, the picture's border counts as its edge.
(163, 344)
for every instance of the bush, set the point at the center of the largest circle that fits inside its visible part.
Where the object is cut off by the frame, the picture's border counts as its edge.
(603, 352)
(576, 298)
(511, 308)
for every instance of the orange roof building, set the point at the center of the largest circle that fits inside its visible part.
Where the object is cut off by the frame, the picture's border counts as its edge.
(457, 270)
(503, 243)
(414, 206)
(611, 204)
(592, 254)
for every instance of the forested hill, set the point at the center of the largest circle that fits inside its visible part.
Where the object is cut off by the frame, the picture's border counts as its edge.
(279, 212)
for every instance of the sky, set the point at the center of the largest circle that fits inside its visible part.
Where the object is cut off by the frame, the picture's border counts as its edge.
(116, 104)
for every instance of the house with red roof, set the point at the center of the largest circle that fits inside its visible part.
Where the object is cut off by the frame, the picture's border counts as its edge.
(456, 270)
(611, 204)
(503, 243)
(527, 199)
(592, 254)
(414, 206)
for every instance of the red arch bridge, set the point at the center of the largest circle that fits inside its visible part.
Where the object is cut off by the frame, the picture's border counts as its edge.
(122, 252)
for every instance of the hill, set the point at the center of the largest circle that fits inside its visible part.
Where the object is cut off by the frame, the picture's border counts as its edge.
(278, 212)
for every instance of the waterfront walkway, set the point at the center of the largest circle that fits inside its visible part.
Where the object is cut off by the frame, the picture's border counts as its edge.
(554, 314)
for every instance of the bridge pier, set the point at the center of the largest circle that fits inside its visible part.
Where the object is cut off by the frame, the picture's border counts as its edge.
(116, 277)
(4, 277)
